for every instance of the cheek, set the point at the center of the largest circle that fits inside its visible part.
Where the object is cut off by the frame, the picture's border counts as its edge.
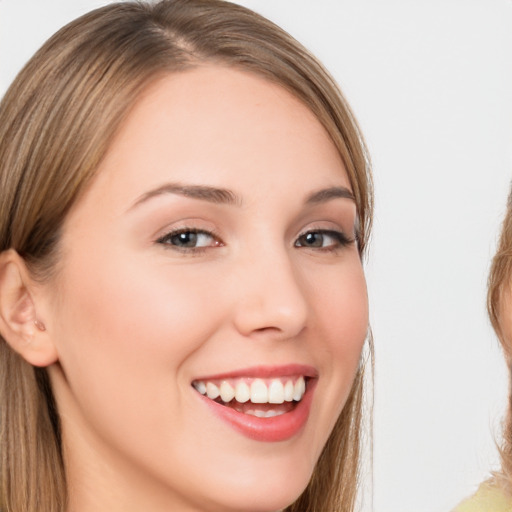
(342, 310)
(342, 326)
(123, 306)
(126, 329)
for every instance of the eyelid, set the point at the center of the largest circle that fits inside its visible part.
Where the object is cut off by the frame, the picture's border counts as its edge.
(196, 224)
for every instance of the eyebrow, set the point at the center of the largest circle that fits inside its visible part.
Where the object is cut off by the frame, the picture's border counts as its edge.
(225, 196)
(327, 194)
(202, 192)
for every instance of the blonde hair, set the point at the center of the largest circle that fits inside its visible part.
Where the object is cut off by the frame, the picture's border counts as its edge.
(56, 122)
(498, 288)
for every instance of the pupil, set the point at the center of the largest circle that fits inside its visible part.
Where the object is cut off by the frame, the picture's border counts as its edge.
(314, 239)
(187, 239)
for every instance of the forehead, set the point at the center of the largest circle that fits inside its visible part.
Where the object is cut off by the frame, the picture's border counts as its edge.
(221, 126)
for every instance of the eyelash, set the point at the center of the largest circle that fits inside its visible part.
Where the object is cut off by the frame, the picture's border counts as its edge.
(341, 240)
(166, 240)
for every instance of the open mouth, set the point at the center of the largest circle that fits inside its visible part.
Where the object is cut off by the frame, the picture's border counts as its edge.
(263, 398)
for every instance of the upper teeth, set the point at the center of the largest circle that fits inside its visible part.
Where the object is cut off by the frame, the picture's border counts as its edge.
(258, 391)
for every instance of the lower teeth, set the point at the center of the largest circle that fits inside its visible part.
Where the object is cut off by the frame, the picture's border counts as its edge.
(263, 414)
(259, 410)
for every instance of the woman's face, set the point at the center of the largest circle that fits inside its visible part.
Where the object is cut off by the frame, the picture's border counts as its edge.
(213, 253)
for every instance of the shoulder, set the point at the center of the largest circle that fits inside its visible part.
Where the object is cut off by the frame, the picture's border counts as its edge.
(488, 498)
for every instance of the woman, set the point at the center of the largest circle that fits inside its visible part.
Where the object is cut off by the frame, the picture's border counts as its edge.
(185, 204)
(495, 495)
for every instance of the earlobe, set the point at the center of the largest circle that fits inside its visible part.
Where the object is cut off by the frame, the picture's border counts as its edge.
(19, 324)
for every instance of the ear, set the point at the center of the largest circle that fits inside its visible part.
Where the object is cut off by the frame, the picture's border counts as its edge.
(19, 324)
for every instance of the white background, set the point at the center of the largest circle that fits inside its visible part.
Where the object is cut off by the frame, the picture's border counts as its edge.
(431, 83)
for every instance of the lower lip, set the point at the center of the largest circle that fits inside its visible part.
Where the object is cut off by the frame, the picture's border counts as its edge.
(274, 429)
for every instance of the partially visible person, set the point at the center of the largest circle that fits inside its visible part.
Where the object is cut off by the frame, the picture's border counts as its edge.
(495, 495)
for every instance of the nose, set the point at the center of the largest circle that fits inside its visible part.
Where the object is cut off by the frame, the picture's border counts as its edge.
(270, 296)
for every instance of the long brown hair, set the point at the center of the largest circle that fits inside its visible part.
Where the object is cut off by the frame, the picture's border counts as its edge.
(498, 298)
(56, 122)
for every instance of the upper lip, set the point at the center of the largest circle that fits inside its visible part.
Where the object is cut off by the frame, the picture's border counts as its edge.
(265, 372)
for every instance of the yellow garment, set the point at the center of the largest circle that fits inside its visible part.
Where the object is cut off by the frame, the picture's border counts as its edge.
(488, 498)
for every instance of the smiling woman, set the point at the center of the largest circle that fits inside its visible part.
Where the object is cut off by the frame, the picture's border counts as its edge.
(185, 203)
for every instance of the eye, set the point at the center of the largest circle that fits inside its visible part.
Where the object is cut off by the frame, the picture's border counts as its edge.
(189, 239)
(323, 239)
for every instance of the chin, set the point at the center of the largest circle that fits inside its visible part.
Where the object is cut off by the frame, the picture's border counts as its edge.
(270, 494)
(259, 501)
